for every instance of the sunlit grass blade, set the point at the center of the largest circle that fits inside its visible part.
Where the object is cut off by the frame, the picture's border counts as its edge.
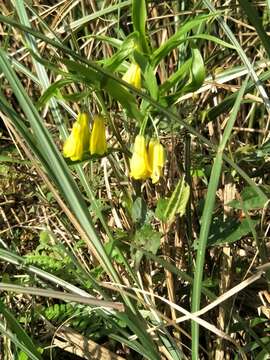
(61, 296)
(228, 102)
(40, 70)
(206, 221)
(13, 337)
(17, 329)
(45, 275)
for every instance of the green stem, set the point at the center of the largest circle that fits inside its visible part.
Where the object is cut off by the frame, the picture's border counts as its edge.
(144, 123)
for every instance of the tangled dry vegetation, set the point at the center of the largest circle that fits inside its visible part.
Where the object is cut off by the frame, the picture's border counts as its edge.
(94, 263)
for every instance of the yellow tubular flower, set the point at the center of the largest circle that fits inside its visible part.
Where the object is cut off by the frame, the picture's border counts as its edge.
(98, 144)
(77, 142)
(133, 76)
(139, 167)
(156, 158)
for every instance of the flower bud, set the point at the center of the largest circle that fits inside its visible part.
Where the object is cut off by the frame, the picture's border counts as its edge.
(139, 167)
(156, 158)
(133, 76)
(77, 142)
(98, 144)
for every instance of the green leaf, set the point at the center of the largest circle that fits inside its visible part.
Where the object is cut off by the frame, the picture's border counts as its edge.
(126, 49)
(264, 354)
(229, 231)
(148, 73)
(171, 346)
(113, 252)
(84, 73)
(264, 150)
(139, 16)
(177, 38)
(22, 356)
(176, 204)
(76, 96)
(160, 209)
(5, 158)
(127, 100)
(250, 199)
(188, 78)
(148, 239)
(210, 282)
(213, 39)
(240, 326)
(13, 338)
(44, 237)
(254, 345)
(178, 75)
(197, 72)
(139, 210)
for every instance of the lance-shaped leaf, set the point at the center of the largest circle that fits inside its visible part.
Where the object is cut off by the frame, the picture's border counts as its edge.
(176, 204)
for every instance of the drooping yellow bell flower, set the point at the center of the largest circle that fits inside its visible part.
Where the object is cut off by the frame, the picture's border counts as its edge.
(98, 144)
(139, 166)
(156, 158)
(133, 75)
(77, 142)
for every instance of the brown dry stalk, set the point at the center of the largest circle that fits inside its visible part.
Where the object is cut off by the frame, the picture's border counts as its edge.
(81, 346)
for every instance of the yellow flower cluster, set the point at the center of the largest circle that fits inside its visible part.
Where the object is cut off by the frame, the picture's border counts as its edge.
(80, 140)
(147, 161)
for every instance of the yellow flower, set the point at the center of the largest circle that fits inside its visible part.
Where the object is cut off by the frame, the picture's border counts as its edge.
(98, 144)
(77, 142)
(139, 167)
(156, 158)
(133, 75)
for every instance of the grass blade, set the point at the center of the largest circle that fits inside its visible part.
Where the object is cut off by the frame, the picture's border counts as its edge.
(15, 326)
(206, 222)
(18, 343)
